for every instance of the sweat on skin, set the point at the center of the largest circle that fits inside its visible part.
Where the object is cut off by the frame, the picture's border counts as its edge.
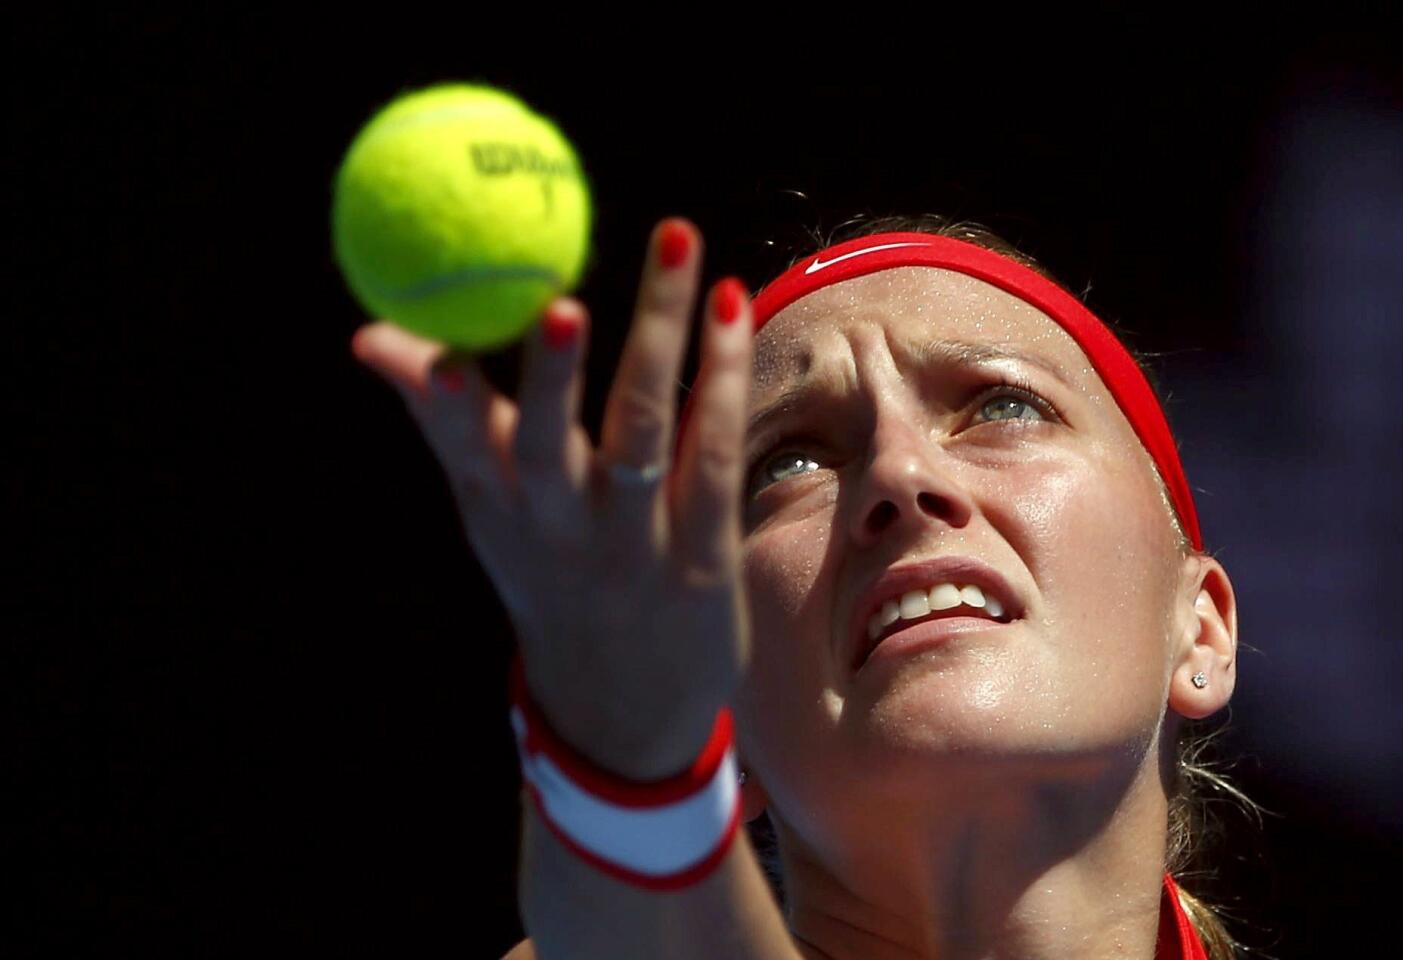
(966, 799)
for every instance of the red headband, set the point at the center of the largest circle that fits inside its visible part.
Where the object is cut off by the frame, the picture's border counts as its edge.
(1115, 365)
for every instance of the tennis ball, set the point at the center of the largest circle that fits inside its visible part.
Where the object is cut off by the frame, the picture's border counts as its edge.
(459, 213)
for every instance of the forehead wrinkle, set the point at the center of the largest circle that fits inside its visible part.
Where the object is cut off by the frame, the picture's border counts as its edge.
(964, 353)
(923, 353)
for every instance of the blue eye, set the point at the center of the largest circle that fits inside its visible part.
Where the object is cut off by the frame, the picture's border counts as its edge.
(1012, 399)
(788, 459)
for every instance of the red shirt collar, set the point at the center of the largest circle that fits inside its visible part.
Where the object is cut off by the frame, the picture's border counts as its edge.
(1178, 940)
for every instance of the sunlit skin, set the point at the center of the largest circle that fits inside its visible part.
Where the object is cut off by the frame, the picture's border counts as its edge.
(1004, 794)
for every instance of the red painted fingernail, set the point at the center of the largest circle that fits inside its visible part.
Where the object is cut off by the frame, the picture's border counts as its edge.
(674, 246)
(561, 329)
(451, 380)
(729, 299)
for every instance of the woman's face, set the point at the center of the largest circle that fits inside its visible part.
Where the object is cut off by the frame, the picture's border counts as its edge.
(894, 460)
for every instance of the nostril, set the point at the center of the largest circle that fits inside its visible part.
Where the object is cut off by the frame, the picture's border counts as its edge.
(881, 516)
(937, 506)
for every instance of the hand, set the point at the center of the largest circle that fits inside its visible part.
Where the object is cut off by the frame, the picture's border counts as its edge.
(627, 600)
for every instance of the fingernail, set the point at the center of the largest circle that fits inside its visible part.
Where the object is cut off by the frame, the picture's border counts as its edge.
(561, 329)
(729, 299)
(451, 380)
(674, 246)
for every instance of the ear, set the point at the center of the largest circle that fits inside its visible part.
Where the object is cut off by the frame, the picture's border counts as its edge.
(1205, 634)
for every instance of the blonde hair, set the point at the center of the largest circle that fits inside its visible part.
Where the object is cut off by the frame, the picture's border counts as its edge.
(1197, 784)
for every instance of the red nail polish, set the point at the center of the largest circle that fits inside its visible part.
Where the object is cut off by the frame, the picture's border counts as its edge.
(561, 330)
(674, 245)
(729, 299)
(451, 380)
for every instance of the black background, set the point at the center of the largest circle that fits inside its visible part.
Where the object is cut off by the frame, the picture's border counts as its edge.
(259, 692)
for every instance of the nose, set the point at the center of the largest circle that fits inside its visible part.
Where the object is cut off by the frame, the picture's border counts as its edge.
(910, 482)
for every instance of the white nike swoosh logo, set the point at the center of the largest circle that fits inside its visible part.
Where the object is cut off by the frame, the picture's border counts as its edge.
(818, 264)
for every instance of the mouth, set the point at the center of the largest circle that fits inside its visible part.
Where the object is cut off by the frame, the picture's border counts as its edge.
(936, 627)
(944, 596)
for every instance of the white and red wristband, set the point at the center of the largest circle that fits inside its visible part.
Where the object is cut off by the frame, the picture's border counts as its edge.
(664, 835)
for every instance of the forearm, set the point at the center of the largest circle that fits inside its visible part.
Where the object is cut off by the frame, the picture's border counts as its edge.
(573, 911)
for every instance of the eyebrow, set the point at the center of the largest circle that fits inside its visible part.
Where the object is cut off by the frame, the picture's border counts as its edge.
(948, 353)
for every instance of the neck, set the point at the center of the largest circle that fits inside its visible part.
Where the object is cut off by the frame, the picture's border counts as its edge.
(1038, 870)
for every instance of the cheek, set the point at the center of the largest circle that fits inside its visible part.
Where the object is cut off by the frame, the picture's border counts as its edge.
(790, 599)
(1086, 516)
(1094, 537)
(782, 565)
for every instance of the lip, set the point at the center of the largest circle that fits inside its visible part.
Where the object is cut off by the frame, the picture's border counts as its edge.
(911, 576)
(926, 634)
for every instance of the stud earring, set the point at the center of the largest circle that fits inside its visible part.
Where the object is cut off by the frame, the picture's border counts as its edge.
(1200, 680)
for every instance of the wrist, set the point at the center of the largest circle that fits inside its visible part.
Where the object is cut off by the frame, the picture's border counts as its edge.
(642, 743)
(611, 740)
(660, 831)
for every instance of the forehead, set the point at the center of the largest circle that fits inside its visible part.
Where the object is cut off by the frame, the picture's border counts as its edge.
(913, 305)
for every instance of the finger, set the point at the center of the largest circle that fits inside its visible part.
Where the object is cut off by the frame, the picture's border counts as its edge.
(465, 421)
(710, 461)
(402, 358)
(639, 411)
(552, 457)
(467, 425)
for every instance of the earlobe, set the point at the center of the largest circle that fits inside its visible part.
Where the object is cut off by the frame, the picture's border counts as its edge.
(1205, 670)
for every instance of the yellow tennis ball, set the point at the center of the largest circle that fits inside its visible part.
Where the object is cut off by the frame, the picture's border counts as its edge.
(459, 213)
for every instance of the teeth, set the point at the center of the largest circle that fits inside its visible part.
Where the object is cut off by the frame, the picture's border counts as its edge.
(945, 596)
(889, 612)
(918, 603)
(973, 596)
(914, 604)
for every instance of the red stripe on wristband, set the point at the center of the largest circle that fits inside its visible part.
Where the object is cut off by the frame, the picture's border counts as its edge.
(540, 738)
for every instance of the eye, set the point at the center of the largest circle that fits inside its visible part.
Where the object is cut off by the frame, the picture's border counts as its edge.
(1024, 398)
(1010, 399)
(768, 468)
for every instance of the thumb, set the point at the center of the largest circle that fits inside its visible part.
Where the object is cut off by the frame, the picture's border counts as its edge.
(404, 360)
